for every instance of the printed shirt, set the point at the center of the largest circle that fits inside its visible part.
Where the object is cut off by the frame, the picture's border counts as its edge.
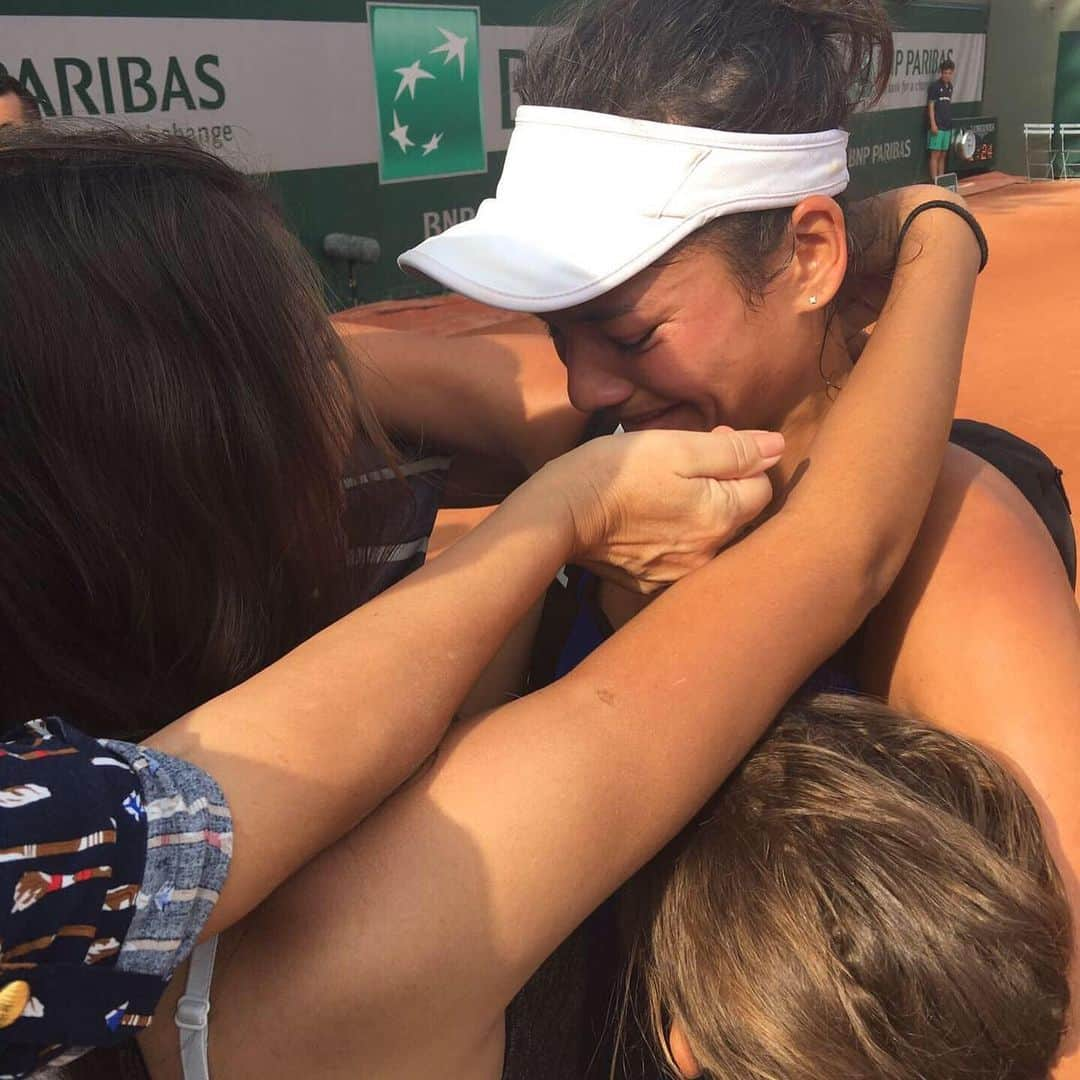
(111, 859)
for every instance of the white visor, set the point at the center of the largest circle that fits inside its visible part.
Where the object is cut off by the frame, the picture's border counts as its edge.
(588, 200)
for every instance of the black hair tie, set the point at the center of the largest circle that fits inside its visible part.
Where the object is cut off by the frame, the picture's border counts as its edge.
(976, 228)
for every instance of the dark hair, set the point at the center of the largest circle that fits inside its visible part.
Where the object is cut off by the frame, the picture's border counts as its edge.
(175, 415)
(867, 897)
(948, 64)
(780, 66)
(30, 107)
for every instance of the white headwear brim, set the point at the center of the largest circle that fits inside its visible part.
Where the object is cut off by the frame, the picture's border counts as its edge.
(588, 200)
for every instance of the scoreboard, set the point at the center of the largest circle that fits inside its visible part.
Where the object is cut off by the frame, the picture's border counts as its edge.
(974, 144)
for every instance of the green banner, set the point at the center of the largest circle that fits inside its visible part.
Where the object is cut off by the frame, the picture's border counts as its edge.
(426, 61)
(888, 149)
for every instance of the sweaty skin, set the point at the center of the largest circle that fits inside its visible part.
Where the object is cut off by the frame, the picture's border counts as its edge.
(980, 633)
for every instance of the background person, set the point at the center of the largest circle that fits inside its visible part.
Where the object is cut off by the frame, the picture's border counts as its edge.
(17, 104)
(940, 117)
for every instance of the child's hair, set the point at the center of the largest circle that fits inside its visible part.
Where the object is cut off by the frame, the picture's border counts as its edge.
(867, 897)
(948, 64)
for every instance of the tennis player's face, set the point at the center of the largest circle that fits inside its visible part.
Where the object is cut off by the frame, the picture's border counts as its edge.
(678, 347)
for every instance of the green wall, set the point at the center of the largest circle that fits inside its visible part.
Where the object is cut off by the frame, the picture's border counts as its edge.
(1021, 65)
(351, 200)
(1067, 79)
(323, 154)
(896, 138)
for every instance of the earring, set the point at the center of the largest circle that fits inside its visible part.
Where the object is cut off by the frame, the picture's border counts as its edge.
(813, 301)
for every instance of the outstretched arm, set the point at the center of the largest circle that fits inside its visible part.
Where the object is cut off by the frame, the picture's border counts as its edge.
(499, 396)
(308, 747)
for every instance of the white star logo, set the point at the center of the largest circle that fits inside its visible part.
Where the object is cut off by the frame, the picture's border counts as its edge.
(433, 145)
(454, 47)
(409, 78)
(400, 135)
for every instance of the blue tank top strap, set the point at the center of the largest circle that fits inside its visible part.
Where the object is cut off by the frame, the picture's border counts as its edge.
(590, 628)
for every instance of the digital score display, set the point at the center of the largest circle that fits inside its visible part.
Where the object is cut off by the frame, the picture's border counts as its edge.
(974, 144)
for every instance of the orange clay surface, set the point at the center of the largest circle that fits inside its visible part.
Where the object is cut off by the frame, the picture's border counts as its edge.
(1022, 364)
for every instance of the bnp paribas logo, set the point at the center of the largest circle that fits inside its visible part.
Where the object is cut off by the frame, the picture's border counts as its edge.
(427, 83)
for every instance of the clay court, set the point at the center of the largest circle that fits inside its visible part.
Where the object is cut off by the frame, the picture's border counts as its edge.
(1022, 364)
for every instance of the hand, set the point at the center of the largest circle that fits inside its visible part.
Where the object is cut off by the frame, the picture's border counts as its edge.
(873, 226)
(648, 508)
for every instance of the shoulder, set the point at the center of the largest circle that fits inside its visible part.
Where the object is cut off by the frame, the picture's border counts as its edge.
(981, 635)
(983, 576)
(978, 524)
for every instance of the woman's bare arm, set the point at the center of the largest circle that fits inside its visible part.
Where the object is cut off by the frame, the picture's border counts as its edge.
(499, 396)
(308, 747)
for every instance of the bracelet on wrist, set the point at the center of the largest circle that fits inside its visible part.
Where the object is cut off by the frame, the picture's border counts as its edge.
(961, 212)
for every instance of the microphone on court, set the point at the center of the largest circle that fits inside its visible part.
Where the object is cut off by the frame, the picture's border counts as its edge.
(351, 250)
(364, 250)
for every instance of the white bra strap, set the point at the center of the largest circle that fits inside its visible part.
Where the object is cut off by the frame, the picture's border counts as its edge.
(193, 1012)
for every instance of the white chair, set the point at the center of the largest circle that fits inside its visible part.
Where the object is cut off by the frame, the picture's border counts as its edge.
(1039, 152)
(1069, 135)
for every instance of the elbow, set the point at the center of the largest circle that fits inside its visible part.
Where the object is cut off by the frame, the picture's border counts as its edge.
(865, 554)
(862, 566)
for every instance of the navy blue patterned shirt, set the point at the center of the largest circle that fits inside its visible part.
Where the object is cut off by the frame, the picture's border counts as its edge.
(111, 859)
